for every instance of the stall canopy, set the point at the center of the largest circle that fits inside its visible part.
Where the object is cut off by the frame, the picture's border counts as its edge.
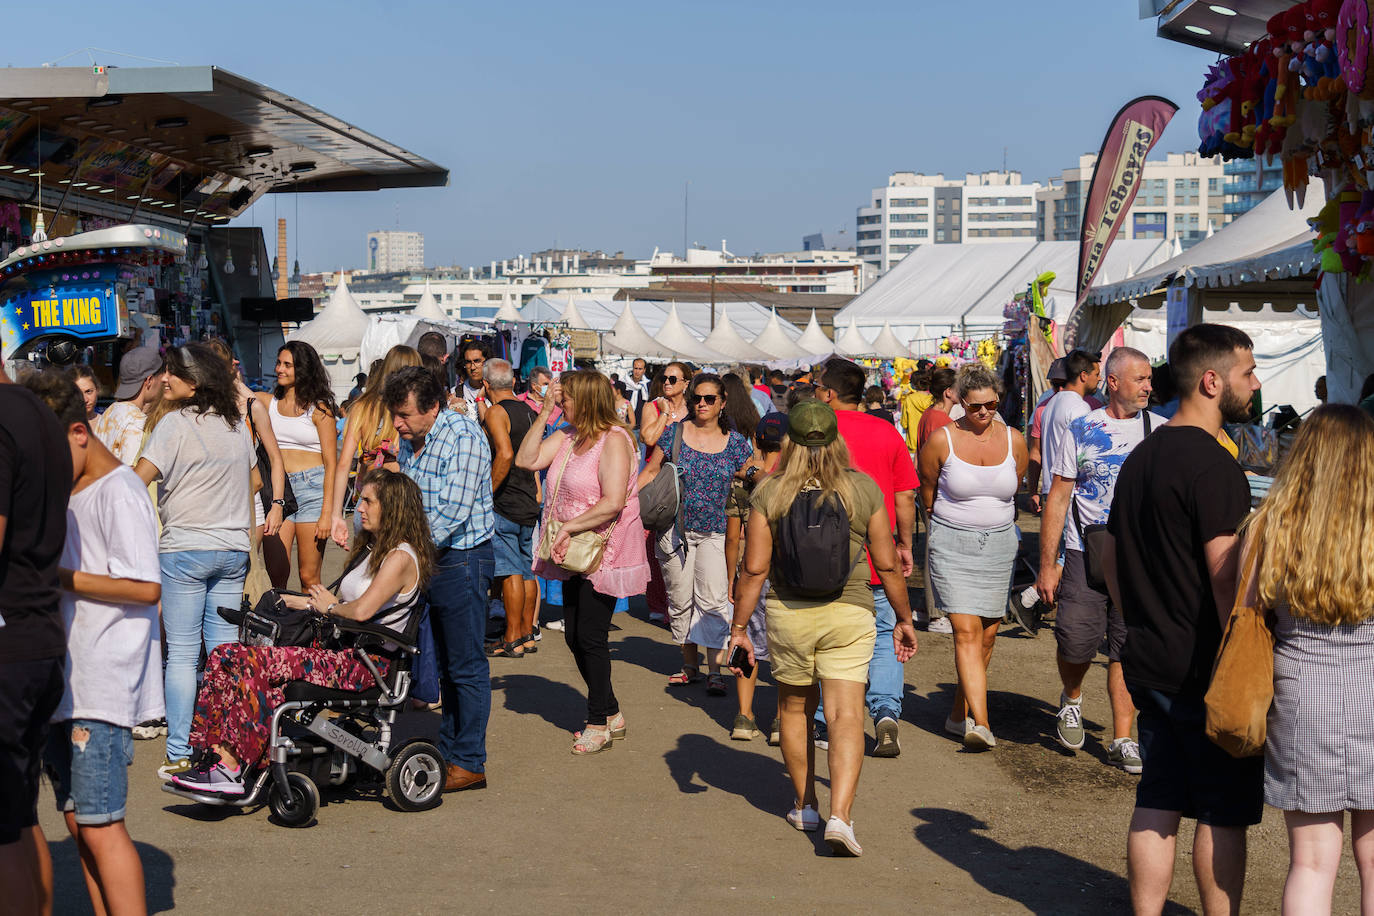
(888, 346)
(386, 331)
(1254, 261)
(627, 337)
(851, 342)
(813, 339)
(775, 342)
(748, 318)
(675, 337)
(726, 341)
(507, 312)
(964, 287)
(336, 333)
(428, 307)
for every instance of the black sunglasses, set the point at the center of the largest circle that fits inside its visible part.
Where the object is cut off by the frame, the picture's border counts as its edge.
(708, 398)
(975, 408)
(671, 379)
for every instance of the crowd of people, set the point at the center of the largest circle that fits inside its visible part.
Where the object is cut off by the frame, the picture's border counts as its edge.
(797, 506)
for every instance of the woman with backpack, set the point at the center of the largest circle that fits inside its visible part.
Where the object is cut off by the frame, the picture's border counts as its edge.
(970, 471)
(692, 552)
(808, 526)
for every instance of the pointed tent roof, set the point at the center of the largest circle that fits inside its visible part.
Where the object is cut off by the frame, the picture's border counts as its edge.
(573, 318)
(773, 339)
(726, 341)
(338, 327)
(428, 306)
(507, 312)
(851, 343)
(888, 346)
(675, 336)
(813, 339)
(629, 338)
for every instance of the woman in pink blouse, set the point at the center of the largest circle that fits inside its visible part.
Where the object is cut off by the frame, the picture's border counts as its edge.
(590, 487)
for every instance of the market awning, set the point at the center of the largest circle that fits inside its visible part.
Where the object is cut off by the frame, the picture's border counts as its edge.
(180, 143)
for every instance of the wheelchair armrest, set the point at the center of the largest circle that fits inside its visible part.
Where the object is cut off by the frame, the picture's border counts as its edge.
(371, 634)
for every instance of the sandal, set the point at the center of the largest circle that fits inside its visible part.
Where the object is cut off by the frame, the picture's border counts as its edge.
(685, 676)
(593, 740)
(715, 685)
(506, 650)
(617, 726)
(528, 643)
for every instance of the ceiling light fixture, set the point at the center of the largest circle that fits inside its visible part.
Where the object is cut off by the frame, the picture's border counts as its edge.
(1198, 30)
(217, 139)
(106, 101)
(172, 123)
(1223, 10)
(299, 167)
(258, 152)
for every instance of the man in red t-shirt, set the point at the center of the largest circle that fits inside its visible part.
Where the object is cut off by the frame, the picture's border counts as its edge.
(878, 450)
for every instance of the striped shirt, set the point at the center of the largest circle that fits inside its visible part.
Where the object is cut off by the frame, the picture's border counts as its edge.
(453, 471)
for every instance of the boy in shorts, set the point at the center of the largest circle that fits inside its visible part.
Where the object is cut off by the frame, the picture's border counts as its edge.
(111, 583)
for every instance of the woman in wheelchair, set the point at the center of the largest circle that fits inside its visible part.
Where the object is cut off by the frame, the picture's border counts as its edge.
(390, 563)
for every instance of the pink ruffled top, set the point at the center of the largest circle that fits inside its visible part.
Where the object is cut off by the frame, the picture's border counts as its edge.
(624, 569)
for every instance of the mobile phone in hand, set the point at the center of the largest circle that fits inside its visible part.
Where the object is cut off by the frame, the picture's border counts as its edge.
(740, 659)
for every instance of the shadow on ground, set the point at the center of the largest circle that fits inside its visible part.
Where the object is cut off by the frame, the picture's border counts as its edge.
(1042, 880)
(72, 898)
(699, 763)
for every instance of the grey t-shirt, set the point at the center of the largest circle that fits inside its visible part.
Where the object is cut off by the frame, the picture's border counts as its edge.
(203, 492)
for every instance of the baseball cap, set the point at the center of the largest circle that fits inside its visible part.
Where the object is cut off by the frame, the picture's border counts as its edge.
(772, 427)
(812, 423)
(134, 369)
(1058, 371)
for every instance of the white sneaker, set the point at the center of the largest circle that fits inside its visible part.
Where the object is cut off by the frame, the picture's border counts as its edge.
(978, 737)
(555, 625)
(940, 625)
(957, 727)
(840, 836)
(804, 818)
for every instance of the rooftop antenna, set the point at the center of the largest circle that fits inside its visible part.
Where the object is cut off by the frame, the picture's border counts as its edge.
(686, 190)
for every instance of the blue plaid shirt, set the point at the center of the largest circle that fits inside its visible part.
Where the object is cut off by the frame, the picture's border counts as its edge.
(453, 471)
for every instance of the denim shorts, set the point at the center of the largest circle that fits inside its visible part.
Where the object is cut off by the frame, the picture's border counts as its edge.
(90, 777)
(513, 545)
(308, 488)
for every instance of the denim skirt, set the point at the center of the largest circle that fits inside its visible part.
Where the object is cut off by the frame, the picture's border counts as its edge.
(970, 569)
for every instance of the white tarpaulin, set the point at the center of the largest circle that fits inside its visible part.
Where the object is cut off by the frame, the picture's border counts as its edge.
(748, 318)
(336, 333)
(775, 342)
(726, 341)
(428, 307)
(850, 342)
(628, 338)
(887, 346)
(386, 331)
(964, 287)
(507, 313)
(675, 337)
(813, 339)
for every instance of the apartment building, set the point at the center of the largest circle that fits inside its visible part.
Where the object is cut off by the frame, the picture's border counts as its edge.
(1248, 181)
(1179, 197)
(391, 251)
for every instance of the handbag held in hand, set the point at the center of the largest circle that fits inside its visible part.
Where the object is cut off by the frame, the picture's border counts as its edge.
(584, 548)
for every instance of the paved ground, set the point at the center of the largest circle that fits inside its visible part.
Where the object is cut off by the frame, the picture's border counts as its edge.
(680, 818)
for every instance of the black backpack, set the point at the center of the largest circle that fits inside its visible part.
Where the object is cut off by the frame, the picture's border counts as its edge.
(811, 547)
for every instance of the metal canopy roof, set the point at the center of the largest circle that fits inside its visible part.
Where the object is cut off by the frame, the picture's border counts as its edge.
(187, 143)
(1226, 26)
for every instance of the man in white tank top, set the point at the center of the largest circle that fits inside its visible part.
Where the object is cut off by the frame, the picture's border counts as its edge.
(1082, 468)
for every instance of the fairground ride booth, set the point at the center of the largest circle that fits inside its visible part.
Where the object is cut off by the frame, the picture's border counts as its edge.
(1293, 90)
(116, 186)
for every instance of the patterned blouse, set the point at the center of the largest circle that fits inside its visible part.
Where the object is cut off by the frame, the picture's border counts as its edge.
(706, 479)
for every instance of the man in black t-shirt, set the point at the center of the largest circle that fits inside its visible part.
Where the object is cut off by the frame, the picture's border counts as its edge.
(1179, 499)
(35, 484)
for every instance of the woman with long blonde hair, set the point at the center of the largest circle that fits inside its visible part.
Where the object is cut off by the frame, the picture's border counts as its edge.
(368, 438)
(591, 487)
(1306, 560)
(820, 645)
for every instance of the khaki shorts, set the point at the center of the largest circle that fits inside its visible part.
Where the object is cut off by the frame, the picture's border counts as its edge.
(830, 642)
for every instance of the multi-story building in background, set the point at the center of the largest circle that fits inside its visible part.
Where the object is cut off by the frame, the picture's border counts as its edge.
(1247, 183)
(918, 209)
(391, 251)
(1180, 196)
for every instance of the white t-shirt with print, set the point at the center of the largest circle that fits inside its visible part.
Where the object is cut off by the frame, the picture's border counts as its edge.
(1100, 445)
(1055, 438)
(114, 662)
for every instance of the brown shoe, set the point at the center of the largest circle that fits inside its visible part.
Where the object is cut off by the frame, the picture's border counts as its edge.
(459, 780)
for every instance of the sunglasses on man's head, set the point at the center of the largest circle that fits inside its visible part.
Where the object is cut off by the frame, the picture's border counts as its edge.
(708, 398)
(671, 379)
(977, 408)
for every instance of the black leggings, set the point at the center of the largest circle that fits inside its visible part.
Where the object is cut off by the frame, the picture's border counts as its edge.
(586, 625)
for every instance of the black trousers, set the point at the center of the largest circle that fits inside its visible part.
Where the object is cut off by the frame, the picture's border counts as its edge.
(586, 625)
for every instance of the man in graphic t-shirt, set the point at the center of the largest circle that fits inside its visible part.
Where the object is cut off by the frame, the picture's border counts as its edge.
(1086, 474)
(1083, 372)
(35, 483)
(877, 449)
(1171, 568)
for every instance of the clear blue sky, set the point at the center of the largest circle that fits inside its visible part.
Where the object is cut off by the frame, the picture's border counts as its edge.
(578, 124)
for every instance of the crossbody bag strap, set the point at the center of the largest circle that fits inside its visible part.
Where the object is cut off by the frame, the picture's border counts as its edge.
(1146, 412)
(352, 565)
(558, 481)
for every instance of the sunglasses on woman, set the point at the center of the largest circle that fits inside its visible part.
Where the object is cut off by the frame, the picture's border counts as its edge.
(671, 379)
(708, 398)
(989, 406)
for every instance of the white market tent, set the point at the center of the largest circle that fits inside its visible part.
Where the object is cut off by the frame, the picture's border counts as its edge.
(851, 343)
(813, 339)
(428, 307)
(776, 342)
(963, 288)
(386, 331)
(887, 346)
(726, 341)
(748, 318)
(336, 333)
(507, 313)
(684, 345)
(628, 338)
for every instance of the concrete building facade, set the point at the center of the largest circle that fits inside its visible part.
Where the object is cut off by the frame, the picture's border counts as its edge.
(392, 251)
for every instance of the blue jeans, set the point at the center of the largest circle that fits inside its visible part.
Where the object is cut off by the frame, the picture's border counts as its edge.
(885, 680)
(195, 583)
(88, 761)
(458, 601)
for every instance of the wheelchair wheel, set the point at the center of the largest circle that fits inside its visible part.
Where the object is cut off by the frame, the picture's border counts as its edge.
(298, 810)
(415, 779)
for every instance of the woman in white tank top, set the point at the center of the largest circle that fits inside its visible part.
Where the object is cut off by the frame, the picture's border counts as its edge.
(969, 478)
(303, 413)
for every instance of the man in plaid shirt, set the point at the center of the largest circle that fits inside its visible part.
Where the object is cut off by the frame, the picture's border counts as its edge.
(448, 457)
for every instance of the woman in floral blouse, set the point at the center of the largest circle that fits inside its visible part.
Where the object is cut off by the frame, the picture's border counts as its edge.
(692, 553)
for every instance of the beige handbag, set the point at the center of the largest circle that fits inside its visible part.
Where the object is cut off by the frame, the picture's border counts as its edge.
(584, 548)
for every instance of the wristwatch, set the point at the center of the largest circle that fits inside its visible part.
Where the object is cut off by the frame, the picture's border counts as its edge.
(279, 502)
